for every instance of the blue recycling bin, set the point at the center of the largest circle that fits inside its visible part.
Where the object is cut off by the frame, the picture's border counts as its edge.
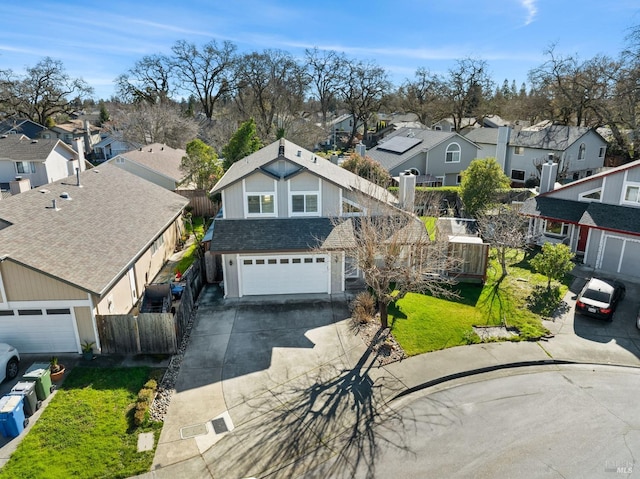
(12, 419)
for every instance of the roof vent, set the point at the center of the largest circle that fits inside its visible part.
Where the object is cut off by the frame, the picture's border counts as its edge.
(65, 196)
(54, 205)
(4, 136)
(299, 153)
(34, 141)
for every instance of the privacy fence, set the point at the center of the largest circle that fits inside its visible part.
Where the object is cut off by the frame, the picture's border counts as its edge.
(152, 333)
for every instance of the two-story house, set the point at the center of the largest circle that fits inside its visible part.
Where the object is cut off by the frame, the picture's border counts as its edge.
(579, 151)
(21, 126)
(437, 158)
(597, 216)
(280, 205)
(80, 247)
(36, 161)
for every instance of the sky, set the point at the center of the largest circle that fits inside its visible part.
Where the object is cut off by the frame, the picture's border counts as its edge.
(97, 41)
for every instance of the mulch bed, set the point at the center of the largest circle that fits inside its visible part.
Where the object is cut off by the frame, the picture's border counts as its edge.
(383, 345)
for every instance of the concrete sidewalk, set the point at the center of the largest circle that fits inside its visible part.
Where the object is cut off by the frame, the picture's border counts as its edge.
(308, 402)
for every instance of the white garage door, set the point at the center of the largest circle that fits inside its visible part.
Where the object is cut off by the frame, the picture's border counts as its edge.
(284, 274)
(39, 330)
(620, 255)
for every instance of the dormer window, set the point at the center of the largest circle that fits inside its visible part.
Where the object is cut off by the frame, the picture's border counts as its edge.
(259, 197)
(582, 151)
(631, 194)
(591, 195)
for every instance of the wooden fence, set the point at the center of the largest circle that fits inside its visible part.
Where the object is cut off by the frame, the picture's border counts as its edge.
(200, 203)
(151, 333)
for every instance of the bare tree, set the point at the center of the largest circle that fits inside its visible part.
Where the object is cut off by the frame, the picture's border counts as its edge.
(505, 229)
(363, 92)
(466, 89)
(326, 70)
(148, 81)
(158, 123)
(394, 253)
(209, 73)
(271, 89)
(423, 96)
(44, 91)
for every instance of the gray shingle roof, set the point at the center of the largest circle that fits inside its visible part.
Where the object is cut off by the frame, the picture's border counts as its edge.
(612, 217)
(94, 237)
(309, 162)
(261, 235)
(568, 211)
(554, 137)
(159, 158)
(430, 139)
(488, 136)
(21, 126)
(22, 148)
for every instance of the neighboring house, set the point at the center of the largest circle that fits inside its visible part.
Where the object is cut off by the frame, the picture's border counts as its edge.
(21, 126)
(447, 124)
(280, 205)
(157, 163)
(111, 146)
(598, 217)
(73, 130)
(77, 248)
(437, 158)
(37, 162)
(580, 151)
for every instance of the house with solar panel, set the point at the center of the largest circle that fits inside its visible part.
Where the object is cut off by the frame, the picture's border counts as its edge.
(437, 158)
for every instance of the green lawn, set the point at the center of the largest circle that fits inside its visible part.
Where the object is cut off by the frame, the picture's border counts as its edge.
(190, 254)
(423, 323)
(85, 431)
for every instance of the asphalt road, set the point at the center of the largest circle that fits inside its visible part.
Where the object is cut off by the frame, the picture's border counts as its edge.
(569, 422)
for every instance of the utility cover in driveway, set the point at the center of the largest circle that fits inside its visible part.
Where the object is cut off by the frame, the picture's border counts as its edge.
(193, 431)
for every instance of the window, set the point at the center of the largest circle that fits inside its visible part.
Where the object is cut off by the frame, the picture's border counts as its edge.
(582, 151)
(247, 261)
(458, 179)
(272, 261)
(259, 261)
(319, 260)
(517, 175)
(632, 194)
(284, 261)
(349, 208)
(29, 312)
(157, 244)
(6, 313)
(120, 160)
(556, 228)
(59, 311)
(308, 260)
(592, 195)
(295, 260)
(453, 153)
(260, 204)
(304, 203)
(25, 167)
(602, 151)
(518, 150)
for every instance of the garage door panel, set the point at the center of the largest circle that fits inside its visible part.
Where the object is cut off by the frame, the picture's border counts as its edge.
(39, 333)
(631, 262)
(284, 274)
(611, 254)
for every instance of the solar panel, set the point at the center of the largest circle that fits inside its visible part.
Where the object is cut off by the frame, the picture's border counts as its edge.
(399, 144)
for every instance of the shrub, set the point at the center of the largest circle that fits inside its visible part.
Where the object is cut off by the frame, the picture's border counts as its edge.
(145, 398)
(364, 307)
(151, 384)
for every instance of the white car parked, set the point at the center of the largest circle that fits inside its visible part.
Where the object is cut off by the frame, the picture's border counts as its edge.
(9, 362)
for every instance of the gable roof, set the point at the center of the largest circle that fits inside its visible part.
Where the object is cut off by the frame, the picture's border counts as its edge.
(22, 148)
(93, 238)
(596, 176)
(308, 161)
(159, 158)
(423, 140)
(21, 126)
(552, 137)
(488, 136)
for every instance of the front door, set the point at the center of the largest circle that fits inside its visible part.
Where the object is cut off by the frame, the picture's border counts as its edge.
(582, 239)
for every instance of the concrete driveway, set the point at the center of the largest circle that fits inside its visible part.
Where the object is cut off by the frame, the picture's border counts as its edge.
(247, 359)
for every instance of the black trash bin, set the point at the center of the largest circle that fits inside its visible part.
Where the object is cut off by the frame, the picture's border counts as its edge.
(27, 389)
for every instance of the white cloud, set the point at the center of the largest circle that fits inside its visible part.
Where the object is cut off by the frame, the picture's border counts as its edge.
(531, 8)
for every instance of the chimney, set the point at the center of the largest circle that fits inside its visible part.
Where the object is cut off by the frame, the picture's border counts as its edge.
(19, 185)
(548, 175)
(504, 135)
(281, 147)
(334, 159)
(407, 190)
(361, 149)
(78, 146)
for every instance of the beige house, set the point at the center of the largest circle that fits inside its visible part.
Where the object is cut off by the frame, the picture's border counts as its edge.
(79, 247)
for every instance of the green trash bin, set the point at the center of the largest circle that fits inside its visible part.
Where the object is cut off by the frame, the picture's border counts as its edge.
(41, 375)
